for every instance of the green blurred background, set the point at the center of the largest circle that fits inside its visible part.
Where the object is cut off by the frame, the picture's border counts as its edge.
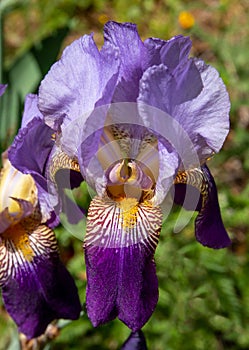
(204, 294)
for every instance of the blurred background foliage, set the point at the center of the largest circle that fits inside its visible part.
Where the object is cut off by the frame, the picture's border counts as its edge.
(204, 294)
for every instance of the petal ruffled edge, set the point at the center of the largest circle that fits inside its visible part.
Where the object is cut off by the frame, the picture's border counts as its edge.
(82, 71)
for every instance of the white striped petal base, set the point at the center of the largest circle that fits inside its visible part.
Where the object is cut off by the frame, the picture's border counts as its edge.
(17, 255)
(112, 224)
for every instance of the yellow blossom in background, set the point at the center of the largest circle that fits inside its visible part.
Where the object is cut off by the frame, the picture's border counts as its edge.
(103, 18)
(186, 20)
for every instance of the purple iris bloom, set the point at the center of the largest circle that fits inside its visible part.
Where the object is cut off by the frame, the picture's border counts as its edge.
(36, 287)
(140, 118)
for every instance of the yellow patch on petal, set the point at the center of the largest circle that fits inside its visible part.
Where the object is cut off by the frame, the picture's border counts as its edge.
(20, 238)
(15, 184)
(129, 210)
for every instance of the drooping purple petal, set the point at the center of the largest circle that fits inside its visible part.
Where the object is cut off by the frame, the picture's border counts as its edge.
(196, 190)
(37, 288)
(121, 273)
(74, 85)
(209, 228)
(136, 341)
(120, 282)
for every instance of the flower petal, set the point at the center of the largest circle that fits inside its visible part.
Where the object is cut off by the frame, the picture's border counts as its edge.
(30, 109)
(209, 228)
(36, 287)
(133, 55)
(2, 89)
(119, 248)
(82, 77)
(7, 219)
(204, 118)
(171, 52)
(136, 341)
(29, 153)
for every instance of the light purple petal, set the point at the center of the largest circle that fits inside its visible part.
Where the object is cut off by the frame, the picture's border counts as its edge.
(30, 109)
(171, 52)
(2, 89)
(133, 55)
(39, 289)
(82, 78)
(204, 119)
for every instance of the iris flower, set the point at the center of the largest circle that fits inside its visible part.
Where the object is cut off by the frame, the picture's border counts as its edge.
(141, 119)
(36, 287)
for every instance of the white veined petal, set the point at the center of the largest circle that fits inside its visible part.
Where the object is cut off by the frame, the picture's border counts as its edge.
(17, 254)
(111, 225)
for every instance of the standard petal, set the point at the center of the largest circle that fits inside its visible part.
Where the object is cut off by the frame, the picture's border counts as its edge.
(133, 55)
(136, 341)
(30, 109)
(119, 248)
(204, 118)
(74, 85)
(196, 190)
(36, 287)
(171, 52)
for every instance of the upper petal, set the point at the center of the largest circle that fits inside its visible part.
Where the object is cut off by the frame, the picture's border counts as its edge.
(203, 118)
(83, 76)
(30, 109)
(171, 52)
(133, 55)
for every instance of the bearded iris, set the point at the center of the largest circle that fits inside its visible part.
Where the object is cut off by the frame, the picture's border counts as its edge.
(36, 287)
(139, 118)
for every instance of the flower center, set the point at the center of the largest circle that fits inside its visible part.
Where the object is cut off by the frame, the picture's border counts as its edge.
(19, 237)
(127, 180)
(129, 210)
